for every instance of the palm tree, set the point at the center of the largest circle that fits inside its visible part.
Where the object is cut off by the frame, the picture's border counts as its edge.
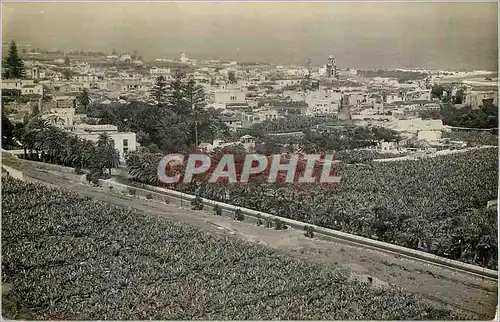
(34, 133)
(108, 157)
(84, 98)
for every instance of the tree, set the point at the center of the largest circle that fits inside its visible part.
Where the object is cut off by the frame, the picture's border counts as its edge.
(159, 91)
(134, 55)
(84, 98)
(67, 74)
(114, 53)
(106, 157)
(231, 76)
(66, 61)
(14, 66)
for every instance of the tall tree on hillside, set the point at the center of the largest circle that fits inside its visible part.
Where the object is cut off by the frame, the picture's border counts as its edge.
(194, 93)
(84, 98)
(66, 61)
(13, 64)
(134, 55)
(159, 91)
(176, 98)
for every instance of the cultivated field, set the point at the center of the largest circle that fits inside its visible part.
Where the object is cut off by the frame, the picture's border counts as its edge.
(76, 258)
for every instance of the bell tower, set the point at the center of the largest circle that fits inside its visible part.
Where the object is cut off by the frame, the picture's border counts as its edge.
(331, 68)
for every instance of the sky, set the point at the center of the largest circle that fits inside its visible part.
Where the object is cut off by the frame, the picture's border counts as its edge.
(442, 35)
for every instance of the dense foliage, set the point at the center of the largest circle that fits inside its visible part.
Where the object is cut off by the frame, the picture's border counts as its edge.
(472, 137)
(485, 117)
(13, 64)
(172, 123)
(75, 258)
(423, 204)
(43, 142)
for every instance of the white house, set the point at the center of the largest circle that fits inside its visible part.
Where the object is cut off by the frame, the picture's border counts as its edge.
(26, 86)
(229, 96)
(323, 102)
(124, 141)
(232, 122)
(62, 117)
(157, 71)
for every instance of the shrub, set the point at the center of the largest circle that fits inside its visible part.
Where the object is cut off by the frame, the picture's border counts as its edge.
(167, 201)
(197, 203)
(279, 224)
(149, 196)
(217, 210)
(259, 222)
(79, 171)
(309, 231)
(238, 215)
(131, 191)
(110, 187)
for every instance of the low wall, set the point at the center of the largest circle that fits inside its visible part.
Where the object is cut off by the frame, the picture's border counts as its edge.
(184, 199)
(13, 172)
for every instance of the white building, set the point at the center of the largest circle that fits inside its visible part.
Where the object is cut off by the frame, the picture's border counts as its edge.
(262, 115)
(431, 136)
(223, 97)
(26, 86)
(323, 102)
(61, 117)
(157, 71)
(125, 57)
(232, 122)
(247, 141)
(184, 58)
(475, 98)
(415, 125)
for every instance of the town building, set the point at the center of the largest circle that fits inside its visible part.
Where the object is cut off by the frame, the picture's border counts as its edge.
(124, 141)
(25, 86)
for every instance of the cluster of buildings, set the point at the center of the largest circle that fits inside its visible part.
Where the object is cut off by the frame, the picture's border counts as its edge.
(245, 94)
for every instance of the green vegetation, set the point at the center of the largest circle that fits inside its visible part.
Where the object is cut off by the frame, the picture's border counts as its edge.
(217, 210)
(159, 91)
(84, 99)
(472, 138)
(49, 144)
(238, 215)
(197, 203)
(169, 126)
(485, 117)
(420, 204)
(279, 224)
(309, 231)
(75, 258)
(13, 64)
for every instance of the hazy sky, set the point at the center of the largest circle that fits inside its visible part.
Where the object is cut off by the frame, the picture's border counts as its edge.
(359, 35)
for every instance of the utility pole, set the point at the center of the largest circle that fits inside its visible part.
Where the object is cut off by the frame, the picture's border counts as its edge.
(196, 127)
(195, 114)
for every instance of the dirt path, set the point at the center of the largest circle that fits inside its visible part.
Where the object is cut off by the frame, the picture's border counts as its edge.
(448, 288)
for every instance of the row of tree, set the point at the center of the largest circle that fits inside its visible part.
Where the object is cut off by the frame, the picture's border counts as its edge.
(43, 142)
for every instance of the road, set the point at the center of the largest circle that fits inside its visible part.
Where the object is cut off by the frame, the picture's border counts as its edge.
(438, 285)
